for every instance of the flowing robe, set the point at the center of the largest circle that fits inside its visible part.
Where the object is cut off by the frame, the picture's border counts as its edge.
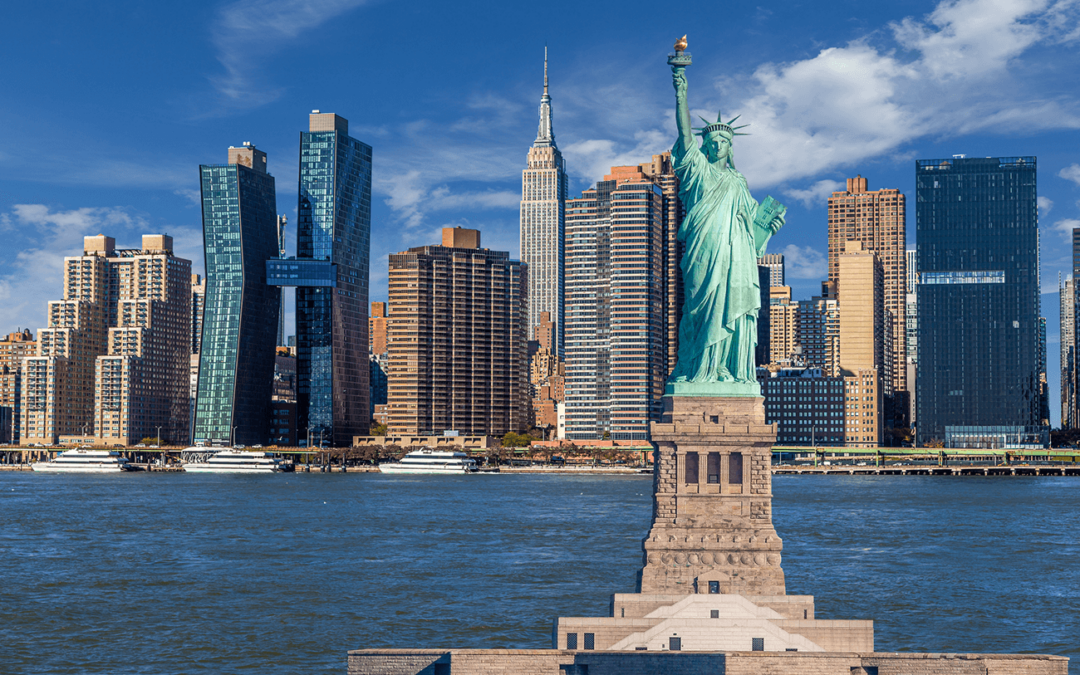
(721, 245)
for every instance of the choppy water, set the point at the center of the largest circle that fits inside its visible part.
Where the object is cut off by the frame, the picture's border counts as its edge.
(173, 573)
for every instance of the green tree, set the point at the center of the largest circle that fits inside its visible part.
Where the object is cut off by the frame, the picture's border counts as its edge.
(515, 440)
(378, 430)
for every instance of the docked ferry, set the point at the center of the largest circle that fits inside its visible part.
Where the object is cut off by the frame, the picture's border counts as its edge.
(428, 460)
(236, 461)
(83, 460)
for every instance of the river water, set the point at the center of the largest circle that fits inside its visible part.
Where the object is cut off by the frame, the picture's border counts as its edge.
(184, 573)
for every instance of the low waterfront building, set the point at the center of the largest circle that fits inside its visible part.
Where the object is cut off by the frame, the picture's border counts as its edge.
(805, 403)
(283, 431)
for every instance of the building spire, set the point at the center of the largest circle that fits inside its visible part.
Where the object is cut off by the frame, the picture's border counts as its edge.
(545, 136)
(545, 72)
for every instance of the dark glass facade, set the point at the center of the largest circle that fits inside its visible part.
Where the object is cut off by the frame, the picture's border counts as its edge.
(236, 364)
(978, 287)
(334, 225)
(806, 405)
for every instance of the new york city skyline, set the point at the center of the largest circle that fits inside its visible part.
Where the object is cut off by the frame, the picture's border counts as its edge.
(113, 143)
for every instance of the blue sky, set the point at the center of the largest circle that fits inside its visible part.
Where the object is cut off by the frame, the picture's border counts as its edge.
(108, 109)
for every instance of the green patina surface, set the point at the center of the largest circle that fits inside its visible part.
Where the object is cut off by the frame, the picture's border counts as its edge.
(723, 233)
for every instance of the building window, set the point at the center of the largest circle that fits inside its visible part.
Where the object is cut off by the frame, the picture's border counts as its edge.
(714, 614)
(714, 587)
(571, 640)
(590, 641)
(735, 468)
(691, 468)
(714, 468)
(675, 644)
(758, 645)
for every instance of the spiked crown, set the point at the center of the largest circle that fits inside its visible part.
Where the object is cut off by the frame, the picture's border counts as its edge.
(721, 126)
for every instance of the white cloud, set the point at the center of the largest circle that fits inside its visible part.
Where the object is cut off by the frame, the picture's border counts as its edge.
(193, 196)
(939, 74)
(247, 32)
(963, 39)
(817, 193)
(1065, 228)
(1045, 204)
(1072, 173)
(804, 262)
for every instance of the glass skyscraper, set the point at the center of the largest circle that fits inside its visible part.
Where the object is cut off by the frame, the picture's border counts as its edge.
(333, 234)
(978, 302)
(236, 362)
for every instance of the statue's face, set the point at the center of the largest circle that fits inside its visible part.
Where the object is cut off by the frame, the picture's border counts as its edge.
(717, 147)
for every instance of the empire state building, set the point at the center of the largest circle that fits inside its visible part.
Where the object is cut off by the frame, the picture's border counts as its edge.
(543, 199)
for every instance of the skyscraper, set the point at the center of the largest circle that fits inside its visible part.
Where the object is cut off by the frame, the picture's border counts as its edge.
(236, 363)
(660, 171)
(876, 219)
(198, 306)
(13, 349)
(863, 349)
(457, 339)
(911, 330)
(377, 329)
(817, 334)
(978, 301)
(1070, 416)
(774, 262)
(141, 385)
(544, 188)
(333, 246)
(282, 222)
(783, 320)
(616, 357)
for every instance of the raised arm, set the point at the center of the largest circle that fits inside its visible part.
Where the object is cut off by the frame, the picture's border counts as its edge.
(682, 110)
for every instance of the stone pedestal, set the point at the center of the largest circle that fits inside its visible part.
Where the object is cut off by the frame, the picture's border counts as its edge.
(712, 528)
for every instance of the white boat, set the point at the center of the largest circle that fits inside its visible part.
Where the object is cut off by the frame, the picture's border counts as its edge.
(427, 460)
(83, 460)
(235, 461)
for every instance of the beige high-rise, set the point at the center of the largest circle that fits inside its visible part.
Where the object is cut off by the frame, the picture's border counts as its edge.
(142, 385)
(377, 328)
(876, 220)
(113, 365)
(58, 383)
(860, 288)
(783, 314)
(457, 339)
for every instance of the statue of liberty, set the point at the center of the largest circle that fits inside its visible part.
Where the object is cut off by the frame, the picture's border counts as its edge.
(723, 234)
